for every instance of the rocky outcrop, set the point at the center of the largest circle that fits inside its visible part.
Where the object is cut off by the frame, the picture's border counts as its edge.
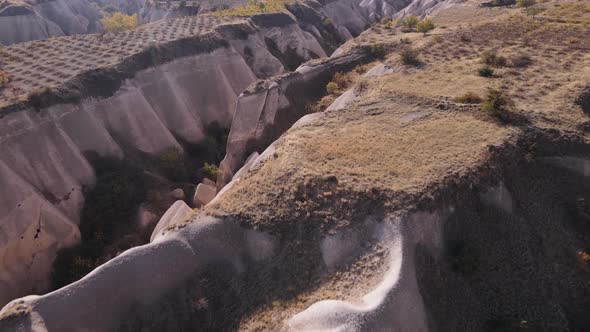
(269, 108)
(204, 194)
(21, 22)
(44, 150)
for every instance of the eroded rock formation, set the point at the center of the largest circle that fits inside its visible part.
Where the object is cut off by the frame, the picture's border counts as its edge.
(22, 21)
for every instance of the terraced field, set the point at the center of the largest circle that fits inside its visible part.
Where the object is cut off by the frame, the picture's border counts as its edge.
(46, 64)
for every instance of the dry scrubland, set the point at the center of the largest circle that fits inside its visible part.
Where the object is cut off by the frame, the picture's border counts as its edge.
(412, 131)
(34, 67)
(406, 131)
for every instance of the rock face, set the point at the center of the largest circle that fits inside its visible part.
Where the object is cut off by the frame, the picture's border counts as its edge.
(44, 146)
(21, 22)
(43, 153)
(267, 110)
(204, 194)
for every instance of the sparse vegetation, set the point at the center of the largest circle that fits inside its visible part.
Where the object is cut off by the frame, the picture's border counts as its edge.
(332, 88)
(409, 56)
(497, 104)
(425, 26)
(253, 7)
(107, 214)
(4, 78)
(469, 98)
(533, 11)
(410, 22)
(486, 71)
(118, 22)
(521, 61)
(491, 58)
(525, 3)
(211, 170)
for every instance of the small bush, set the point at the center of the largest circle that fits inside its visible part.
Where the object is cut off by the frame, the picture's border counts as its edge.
(409, 56)
(486, 71)
(497, 104)
(410, 22)
(491, 58)
(211, 170)
(331, 88)
(521, 61)
(469, 98)
(425, 26)
(341, 79)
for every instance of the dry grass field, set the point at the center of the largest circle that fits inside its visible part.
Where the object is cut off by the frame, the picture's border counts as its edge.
(47, 64)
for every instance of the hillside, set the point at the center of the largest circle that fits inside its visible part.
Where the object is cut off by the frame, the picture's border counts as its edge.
(394, 181)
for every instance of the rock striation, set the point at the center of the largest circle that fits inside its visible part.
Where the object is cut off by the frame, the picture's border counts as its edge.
(22, 21)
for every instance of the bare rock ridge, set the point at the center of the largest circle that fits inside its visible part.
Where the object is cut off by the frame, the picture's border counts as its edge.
(22, 21)
(43, 152)
(148, 99)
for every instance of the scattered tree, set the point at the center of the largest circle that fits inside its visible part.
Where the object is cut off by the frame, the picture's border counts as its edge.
(118, 22)
(425, 26)
(410, 22)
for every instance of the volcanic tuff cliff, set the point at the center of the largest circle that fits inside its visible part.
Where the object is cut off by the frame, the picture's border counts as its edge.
(159, 87)
(401, 206)
(22, 21)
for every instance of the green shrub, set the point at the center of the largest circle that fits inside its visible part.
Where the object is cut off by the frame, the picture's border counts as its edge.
(409, 56)
(469, 98)
(425, 26)
(486, 71)
(211, 170)
(410, 22)
(331, 88)
(497, 104)
(491, 58)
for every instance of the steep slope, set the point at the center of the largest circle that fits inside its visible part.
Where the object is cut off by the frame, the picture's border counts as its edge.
(138, 95)
(403, 206)
(22, 21)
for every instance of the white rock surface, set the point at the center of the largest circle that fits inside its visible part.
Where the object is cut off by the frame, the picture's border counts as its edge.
(47, 19)
(203, 194)
(43, 152)
(178, 212)
(98, 301)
